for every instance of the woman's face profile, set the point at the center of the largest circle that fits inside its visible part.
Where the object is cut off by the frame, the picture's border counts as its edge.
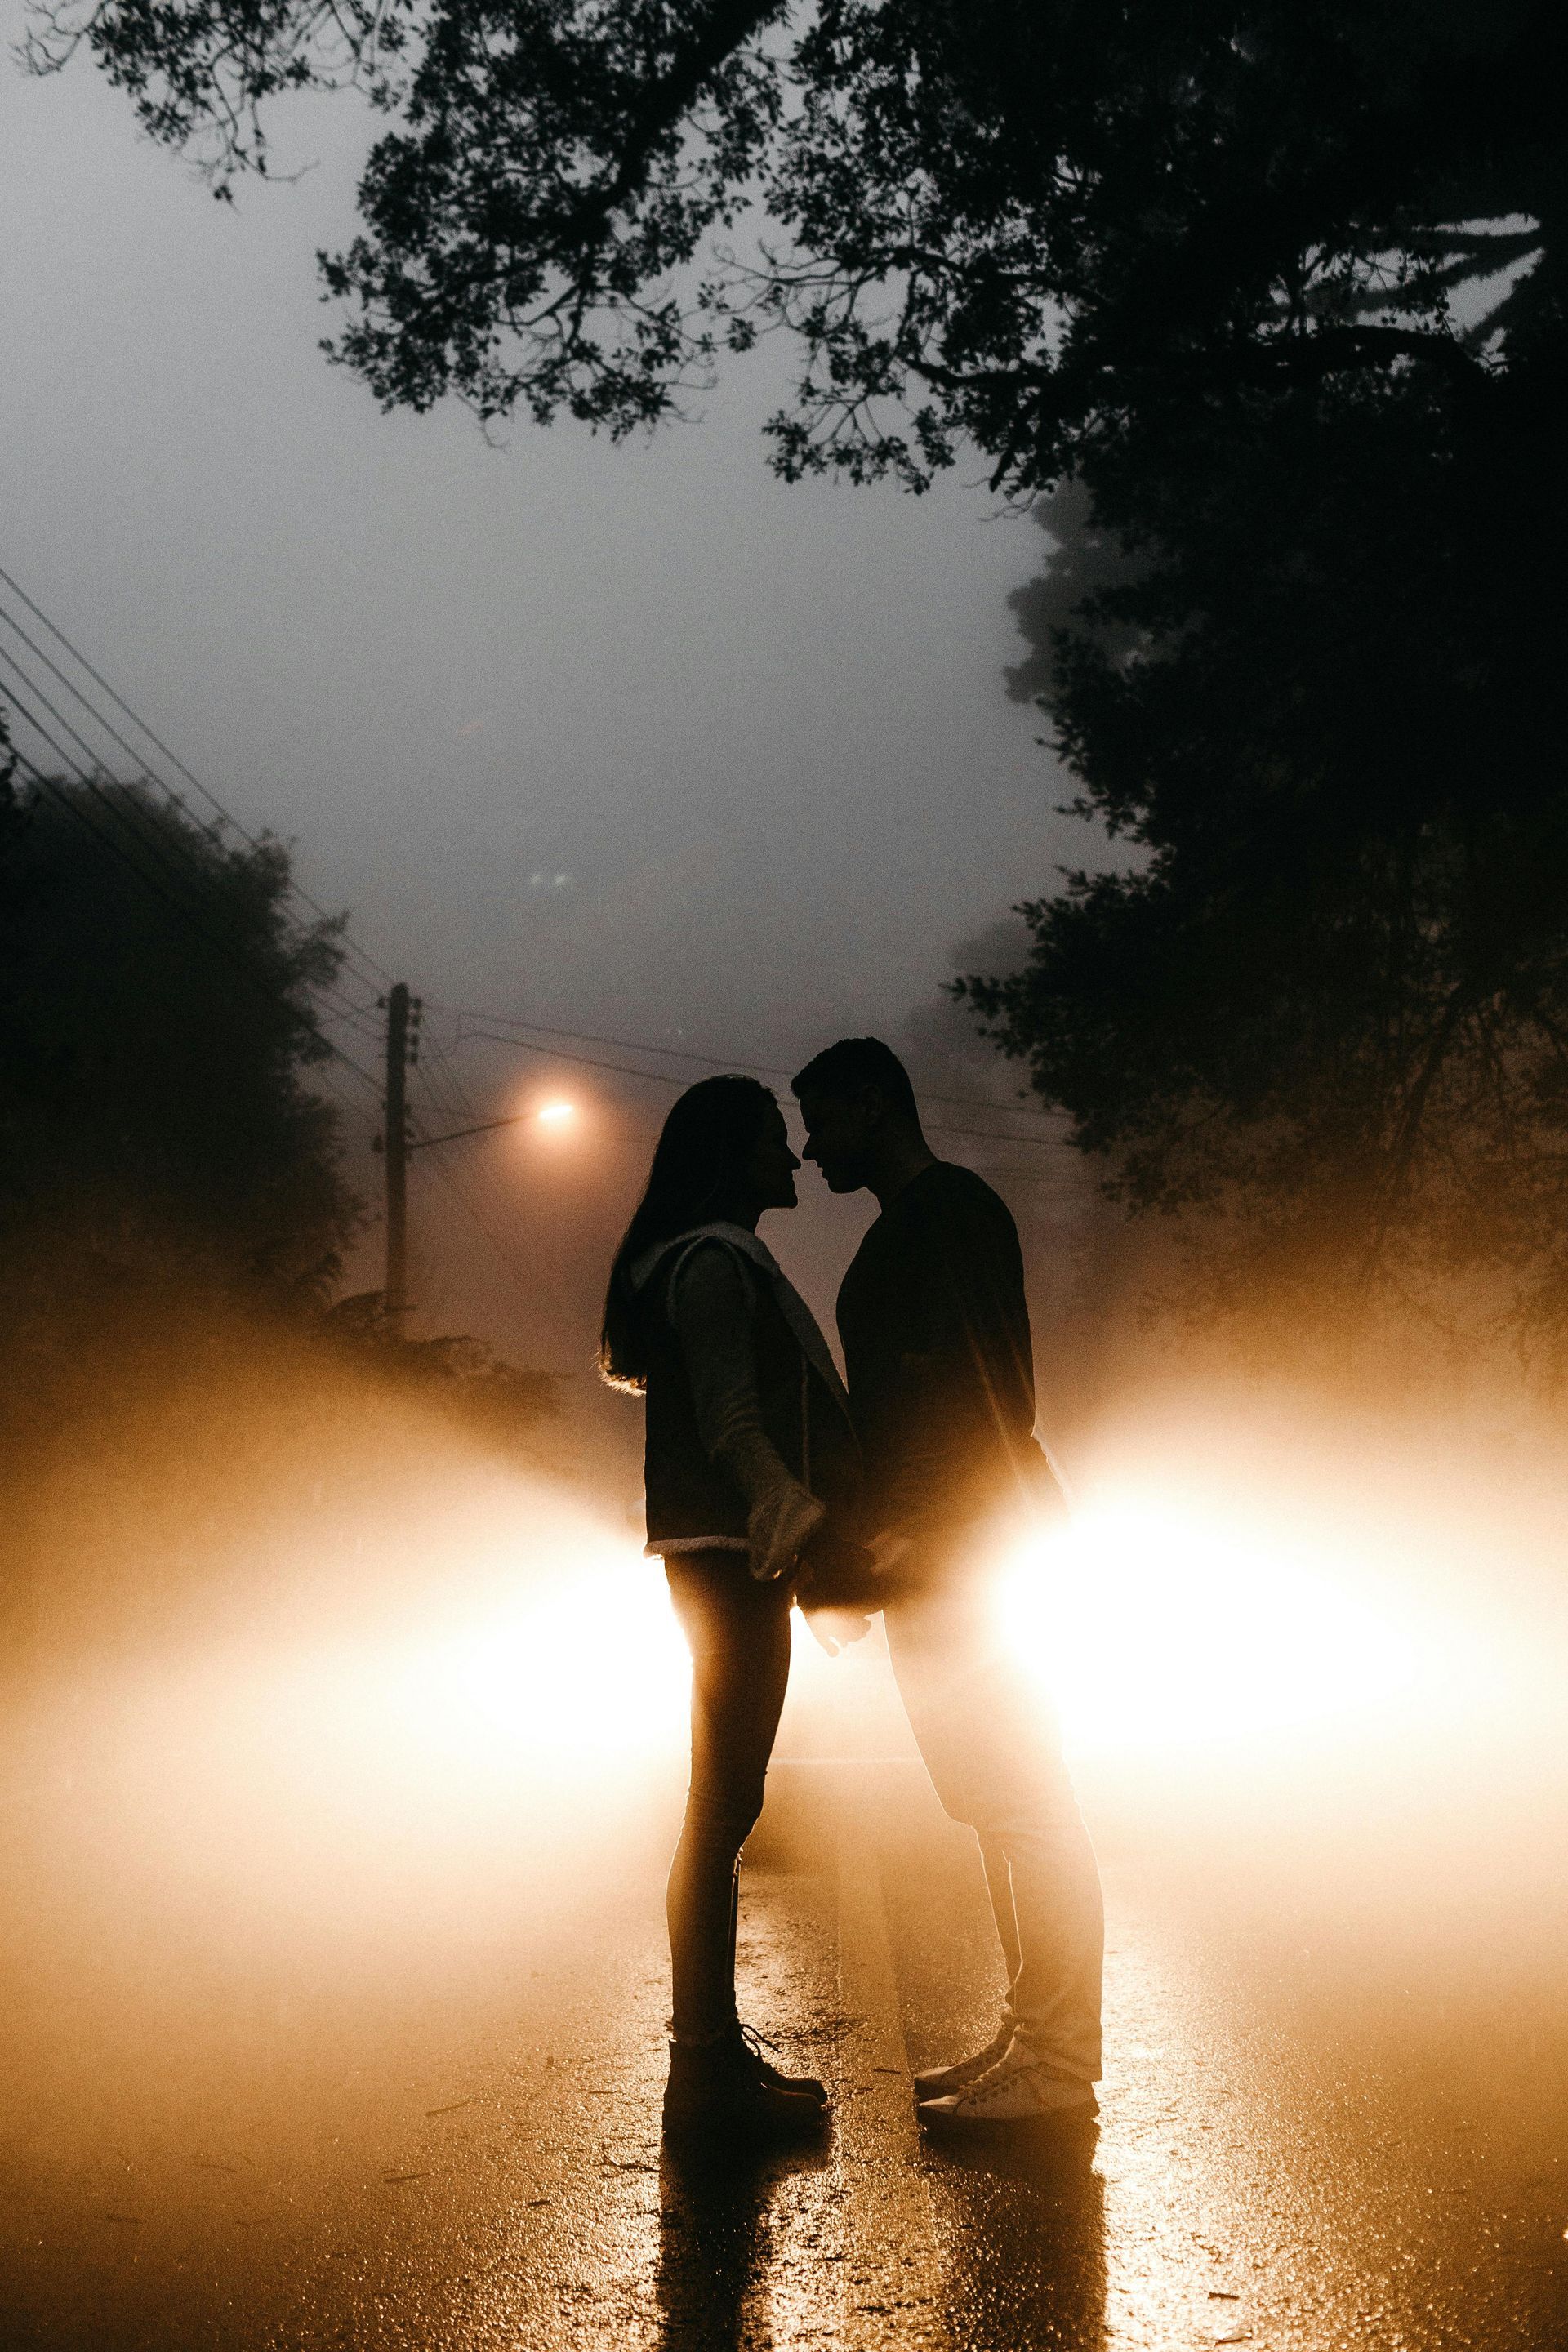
(771, 1169)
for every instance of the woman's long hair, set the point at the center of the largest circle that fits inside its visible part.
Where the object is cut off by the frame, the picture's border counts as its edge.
(698, 1161)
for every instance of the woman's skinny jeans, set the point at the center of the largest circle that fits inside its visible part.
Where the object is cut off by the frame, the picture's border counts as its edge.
(738, 1632)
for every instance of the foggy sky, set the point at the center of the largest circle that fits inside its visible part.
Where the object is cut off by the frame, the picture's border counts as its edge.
(762, 731)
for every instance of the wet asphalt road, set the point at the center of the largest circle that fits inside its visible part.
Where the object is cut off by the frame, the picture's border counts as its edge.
(1334, 2112)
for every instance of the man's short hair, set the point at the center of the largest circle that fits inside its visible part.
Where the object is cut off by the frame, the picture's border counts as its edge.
(856, 1061)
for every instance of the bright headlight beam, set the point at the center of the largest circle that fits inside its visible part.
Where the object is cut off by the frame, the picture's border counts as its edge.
(1154, 1632)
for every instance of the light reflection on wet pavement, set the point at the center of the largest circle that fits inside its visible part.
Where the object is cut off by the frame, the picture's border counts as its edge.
(1320, 2130)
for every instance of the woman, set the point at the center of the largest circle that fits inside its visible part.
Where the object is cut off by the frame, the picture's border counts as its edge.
(751, 1473)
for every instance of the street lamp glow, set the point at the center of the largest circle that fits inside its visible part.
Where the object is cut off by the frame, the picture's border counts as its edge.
(557, 1114)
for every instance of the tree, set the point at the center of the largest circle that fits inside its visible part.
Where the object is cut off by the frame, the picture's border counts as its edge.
(1016, 223)
(1277, 288)
(159, 1125)
(503, 1405)
(1330, 1002)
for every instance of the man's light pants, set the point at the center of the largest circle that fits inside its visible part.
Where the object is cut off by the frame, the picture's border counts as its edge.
(994, 1758)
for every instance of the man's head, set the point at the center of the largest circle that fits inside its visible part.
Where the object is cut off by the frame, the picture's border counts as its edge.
(860, 1111)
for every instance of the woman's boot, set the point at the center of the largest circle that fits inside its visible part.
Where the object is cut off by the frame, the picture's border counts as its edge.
(717, 2086)
(804, 2086)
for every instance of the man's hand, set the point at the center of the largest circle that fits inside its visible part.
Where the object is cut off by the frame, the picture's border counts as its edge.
(834, 1628)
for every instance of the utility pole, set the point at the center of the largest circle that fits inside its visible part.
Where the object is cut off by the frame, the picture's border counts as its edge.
(402, 1048)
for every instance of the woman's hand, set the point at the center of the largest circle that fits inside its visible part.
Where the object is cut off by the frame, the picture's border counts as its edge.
(888, 1549)
(779, 1526)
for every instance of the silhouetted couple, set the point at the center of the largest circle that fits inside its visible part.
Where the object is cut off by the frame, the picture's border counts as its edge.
(769, 1484)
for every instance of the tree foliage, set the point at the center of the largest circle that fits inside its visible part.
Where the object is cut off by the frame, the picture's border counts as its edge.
(1276, 290)
(1328, 1001)
(172, 1207)
(504, 1405)
(158, 1119)
(1011, 224)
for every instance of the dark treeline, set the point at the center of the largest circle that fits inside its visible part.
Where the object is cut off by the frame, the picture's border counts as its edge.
(174, 1207)
(1267, 302)
(1299, 648)
(160, 1040)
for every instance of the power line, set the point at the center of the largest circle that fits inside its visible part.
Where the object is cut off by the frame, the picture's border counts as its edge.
(460, 1104)
(225, 814)
(592, 1061)
(327, 1078)
(663, 1079)
(712, 1061)
(365, 1075)
(359, 1028)
(186, 915)
(120, 702)
(530, 1265)
(12, 663)
(88, 779)
(116, 850)
(165, 847)
(164, 844)
(453, 1101)
(151, 838)
(350, 947)
(481, 1225)
(449, 1176)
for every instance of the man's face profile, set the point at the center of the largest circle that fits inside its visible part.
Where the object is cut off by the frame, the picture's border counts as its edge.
(839, 1133)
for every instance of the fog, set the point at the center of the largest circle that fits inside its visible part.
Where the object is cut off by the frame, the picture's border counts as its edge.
(633, 740)
(342, 1757)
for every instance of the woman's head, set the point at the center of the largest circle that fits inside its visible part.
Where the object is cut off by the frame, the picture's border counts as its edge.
(722, 1155)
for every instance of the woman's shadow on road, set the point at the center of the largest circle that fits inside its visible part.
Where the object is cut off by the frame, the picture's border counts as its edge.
(718, 2243)
(1020, 2222)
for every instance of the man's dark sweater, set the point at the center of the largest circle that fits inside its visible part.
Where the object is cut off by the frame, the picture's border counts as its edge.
(936, 1346)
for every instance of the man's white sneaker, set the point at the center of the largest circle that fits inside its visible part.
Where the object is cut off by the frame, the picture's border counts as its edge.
(1020, 2088)
(938, 2080)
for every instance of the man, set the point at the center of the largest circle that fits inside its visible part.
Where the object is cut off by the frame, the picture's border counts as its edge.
(935, 1333)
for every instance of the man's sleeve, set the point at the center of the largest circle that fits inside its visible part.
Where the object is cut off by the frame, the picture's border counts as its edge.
(967, 1389)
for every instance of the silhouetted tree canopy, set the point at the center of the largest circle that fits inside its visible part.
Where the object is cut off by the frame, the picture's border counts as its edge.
(1013, 223)
(1278, 291)
(158, 1123)
(172, 1200)
(1327, 1002)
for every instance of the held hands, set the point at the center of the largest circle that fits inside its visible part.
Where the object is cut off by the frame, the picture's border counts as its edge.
(835, 1589)
(787, 1535)
(835, 1626)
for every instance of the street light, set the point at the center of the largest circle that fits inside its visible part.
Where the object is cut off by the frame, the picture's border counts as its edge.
(552, 1114)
